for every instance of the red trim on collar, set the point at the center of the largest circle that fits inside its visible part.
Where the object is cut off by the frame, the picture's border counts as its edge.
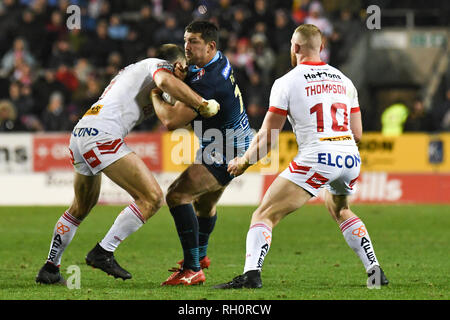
(314, 63)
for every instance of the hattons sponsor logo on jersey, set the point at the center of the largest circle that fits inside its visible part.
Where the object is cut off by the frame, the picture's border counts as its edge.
(321, 75)
(199, 75)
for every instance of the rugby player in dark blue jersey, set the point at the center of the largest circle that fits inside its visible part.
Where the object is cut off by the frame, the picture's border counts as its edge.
(193, 196)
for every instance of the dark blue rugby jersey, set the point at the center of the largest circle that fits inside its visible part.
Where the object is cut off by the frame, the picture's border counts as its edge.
(216, 81)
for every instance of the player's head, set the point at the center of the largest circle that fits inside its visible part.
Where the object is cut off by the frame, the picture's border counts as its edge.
(175, 55)
(306, 42)
(201, 39)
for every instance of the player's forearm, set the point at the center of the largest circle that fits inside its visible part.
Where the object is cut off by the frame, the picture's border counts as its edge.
(180, 91)
(164, 112)
(260, 145)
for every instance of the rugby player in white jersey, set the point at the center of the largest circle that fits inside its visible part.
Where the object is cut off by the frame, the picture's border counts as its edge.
(97, 145)
(322, 106)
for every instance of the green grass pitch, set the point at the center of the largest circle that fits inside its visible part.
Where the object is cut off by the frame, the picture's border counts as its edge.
(309, 258)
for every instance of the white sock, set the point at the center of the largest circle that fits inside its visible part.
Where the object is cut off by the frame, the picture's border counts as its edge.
(127, 222)
(357, 237)
(259, 237)
(63, 234)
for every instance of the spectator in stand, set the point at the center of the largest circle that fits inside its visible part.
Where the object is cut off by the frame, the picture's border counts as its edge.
(183, 12)
(19, 53)
(56, 28)
(43, 87)
(239, 22)
(33, 33)
(117, 30)
(300, 9)
(170, 32)
(419, 119)
(54, 117)
(99, 46)
(264, 58)
(346, 32)
(61, 54)
(261, 13)
(317, 18)
(242, 61)
(8, 117)
(224, 13)
(146, 26)
(67, 77)
(281, 34)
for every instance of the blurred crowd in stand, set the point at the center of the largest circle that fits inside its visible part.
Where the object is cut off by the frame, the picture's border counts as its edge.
(50, 75)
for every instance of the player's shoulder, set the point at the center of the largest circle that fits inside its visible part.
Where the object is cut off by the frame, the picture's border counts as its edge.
(221, 68)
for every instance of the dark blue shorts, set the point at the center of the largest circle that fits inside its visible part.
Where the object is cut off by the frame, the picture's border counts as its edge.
(219, 171)
(217, 165)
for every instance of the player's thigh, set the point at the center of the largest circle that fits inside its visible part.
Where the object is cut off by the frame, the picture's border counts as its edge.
(131, 174)
(87, 191)
(193, 182)
(205, 205)
(282, 198)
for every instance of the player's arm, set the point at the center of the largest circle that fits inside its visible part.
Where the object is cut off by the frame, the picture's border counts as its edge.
(172, 117)
(356, 125)
(180, 91)
(261, 144)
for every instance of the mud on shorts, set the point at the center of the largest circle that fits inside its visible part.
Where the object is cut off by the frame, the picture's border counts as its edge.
(92, 150)
(337, 171)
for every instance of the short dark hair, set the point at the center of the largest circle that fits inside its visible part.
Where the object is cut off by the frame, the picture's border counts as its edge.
(208, 30)
(170, 52)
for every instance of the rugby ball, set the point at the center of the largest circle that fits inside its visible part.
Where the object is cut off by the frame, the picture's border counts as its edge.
(167, 98)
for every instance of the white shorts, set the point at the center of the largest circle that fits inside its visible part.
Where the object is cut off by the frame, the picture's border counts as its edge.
(93, 150)
(336, 170)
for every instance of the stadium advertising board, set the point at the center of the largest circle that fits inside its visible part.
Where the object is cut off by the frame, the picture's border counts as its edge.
(405, 169)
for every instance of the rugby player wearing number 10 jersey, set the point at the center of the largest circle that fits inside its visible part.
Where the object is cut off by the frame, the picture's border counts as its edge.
(322, 106)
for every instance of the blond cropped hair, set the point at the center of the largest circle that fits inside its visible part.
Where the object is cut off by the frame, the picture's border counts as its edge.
(308, 36)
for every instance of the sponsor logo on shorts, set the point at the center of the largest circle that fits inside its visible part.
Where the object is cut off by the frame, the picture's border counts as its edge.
(91, 158)
(81, 132)
(339, 161)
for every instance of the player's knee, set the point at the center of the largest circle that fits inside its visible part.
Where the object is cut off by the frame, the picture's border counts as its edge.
(175, 198)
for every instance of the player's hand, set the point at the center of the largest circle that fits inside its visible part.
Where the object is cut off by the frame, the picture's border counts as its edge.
(208, 108)
(237, 166)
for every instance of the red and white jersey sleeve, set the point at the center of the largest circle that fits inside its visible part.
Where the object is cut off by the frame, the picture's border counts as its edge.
(279, 101)
(125, 102)
(318, 100)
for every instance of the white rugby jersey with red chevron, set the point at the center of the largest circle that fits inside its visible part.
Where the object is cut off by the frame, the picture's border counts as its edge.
(125, 102)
